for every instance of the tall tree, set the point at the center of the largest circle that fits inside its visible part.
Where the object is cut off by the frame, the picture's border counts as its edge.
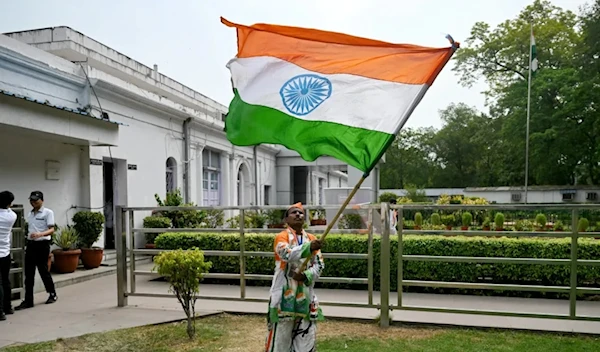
(408, 160)
(501, 57)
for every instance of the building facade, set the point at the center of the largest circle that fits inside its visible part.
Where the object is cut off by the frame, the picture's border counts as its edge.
(92, 128)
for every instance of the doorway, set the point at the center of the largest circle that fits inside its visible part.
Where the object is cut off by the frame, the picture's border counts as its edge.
(109, 204)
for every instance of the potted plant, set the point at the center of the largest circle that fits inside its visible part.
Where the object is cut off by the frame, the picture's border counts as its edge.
(436, 220)
(583, 225)
(66, 258)
(418, 221)
(448, 221)
(499, 221)
(89, 226)
(155, 222)
(467, 219)
(275, 218)
(486, 223)
(558, 226)
(541, 221)
(317, 217)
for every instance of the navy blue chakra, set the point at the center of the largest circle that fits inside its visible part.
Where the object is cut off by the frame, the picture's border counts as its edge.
(302, 94)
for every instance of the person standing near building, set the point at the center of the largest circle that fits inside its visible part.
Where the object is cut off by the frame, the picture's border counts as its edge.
(7, 221)
(41, 227)
(293, 305)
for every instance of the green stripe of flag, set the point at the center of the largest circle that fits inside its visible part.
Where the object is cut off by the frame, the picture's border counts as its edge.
(248, 125)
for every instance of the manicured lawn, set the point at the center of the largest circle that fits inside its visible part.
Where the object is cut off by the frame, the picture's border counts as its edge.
(228, 333)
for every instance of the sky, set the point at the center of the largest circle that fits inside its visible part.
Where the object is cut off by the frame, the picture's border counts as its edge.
(187, 41)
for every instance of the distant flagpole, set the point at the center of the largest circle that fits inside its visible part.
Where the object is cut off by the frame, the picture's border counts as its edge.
(532, 68)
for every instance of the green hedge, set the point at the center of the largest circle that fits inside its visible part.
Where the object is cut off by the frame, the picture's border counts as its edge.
(550, 275)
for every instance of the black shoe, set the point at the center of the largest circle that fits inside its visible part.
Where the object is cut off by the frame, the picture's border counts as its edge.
(2, 316)
(52, 298)
(9, 311)
(24, 305)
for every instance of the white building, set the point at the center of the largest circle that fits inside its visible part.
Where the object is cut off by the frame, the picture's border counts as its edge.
(91, 128)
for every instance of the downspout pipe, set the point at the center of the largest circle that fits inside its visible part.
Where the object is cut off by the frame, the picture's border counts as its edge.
(256, 185)
(186, 156)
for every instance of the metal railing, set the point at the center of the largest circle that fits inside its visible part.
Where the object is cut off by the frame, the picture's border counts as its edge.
(17, 276)
(573, 262)
(126, 230)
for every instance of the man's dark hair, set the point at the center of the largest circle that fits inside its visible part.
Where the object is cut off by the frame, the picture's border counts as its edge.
(6, 199)
(393, 201)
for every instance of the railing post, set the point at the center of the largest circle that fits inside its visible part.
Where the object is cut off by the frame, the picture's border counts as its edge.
(131, 236)
(370, 256)
(384, 321)
(121, 247)
(574, 250)
(242, 255)
(400, 254)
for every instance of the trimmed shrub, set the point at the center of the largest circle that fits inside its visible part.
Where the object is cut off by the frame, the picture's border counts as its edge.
(530, 274)
(436, 220)
(583, 225)
(89, 226)
(155, 222)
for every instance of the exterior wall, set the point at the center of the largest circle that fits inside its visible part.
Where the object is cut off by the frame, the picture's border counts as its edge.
(23, 165)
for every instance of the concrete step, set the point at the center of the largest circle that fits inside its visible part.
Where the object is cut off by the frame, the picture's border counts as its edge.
(138, 260)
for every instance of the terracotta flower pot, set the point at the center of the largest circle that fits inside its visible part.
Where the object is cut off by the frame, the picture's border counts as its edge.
(464, 228)
(150, 246)
(318, 222)
(91, 257)
(448, 227)
(66, 261)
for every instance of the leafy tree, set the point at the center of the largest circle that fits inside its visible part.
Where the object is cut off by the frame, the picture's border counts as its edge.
(184, 270)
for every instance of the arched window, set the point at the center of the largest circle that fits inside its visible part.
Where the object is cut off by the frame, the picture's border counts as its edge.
(171, 175)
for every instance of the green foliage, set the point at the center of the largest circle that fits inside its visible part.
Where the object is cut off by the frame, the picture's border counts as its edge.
(448, 220)
(350, 221)
(66, 238)
(155, 222)
(89, 226)
(541, 220)
(467, 219)
(436, 220)
(188, 218)
(550, 275)
(475, 148)
(486, 222)
(184, 270)
(275, 216)
(558, 226)
(583, 225)
(418, 219)
(415, 194)
(387, 197)
(499, 220)
(213, 218)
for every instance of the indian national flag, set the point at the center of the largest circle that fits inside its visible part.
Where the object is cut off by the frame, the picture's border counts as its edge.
(534, 60)
(323, 93)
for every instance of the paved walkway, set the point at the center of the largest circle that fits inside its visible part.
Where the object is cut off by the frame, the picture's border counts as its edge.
(90, 307)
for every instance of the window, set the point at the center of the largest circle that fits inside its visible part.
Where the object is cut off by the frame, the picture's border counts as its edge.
(267, 195)
(171, 175)
(592, 196)
(211, 177)
(515, 197)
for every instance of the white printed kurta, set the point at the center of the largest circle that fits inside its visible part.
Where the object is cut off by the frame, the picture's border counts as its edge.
(293, 307)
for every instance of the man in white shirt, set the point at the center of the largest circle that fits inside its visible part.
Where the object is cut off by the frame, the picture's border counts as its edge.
(41, 224)
(7, 221)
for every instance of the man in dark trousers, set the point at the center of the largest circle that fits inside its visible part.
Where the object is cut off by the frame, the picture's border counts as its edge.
(7, 221)
(39, 238)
